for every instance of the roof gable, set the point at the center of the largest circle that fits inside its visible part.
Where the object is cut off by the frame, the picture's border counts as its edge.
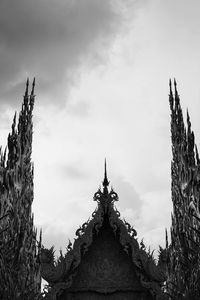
(104, 226)
(105, 267)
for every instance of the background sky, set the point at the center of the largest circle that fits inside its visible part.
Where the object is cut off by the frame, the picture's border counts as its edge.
(102, 70)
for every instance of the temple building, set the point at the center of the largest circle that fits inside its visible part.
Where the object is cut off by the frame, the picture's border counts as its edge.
(106, 260)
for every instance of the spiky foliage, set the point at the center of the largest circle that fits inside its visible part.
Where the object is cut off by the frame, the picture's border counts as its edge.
(19, 249)
(184, 252)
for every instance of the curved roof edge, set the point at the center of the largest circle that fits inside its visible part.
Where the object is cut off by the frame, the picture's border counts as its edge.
(60, 274)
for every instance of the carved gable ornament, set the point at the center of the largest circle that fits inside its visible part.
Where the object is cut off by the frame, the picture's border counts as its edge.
(106, 260)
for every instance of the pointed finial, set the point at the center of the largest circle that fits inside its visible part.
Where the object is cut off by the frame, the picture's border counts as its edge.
(175, 82)
(197, 155)
(40, 234)
(171, 97)
(105, 181)
(166, 238)
(177, 99)
(188, 122)
(27, 84)
(188, 116)
(33, 87)
(170, 85)
(175, 85)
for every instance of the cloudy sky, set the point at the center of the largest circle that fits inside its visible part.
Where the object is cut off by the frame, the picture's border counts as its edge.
(102, 70)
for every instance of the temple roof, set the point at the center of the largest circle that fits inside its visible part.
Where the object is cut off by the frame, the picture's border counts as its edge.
(60, 274)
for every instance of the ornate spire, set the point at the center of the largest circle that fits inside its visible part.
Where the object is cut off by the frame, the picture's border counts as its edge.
(171, 97)
(105, 198)
(170, 86)
(166, 239)
(175, 84)
(105, 181)
(27, 84)
(33, 87)
(185, 190)
(19, 248)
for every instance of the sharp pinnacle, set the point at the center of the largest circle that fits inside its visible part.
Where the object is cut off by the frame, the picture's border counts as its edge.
(170, 86)
(105, 181)
(188, 116)
(171, 97)
(197, 155)
(175, 82)
(166, 238)
(33, 87)
(170, 83)
(175, 85)
(27, 84)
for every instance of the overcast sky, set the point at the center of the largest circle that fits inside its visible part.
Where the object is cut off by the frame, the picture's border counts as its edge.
(102, 70)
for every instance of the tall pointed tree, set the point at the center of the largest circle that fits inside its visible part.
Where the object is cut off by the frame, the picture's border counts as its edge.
(19, 249)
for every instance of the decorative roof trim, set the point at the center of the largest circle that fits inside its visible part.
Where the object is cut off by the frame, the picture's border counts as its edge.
(62, 273)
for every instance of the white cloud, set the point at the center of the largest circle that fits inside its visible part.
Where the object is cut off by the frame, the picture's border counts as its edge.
(118, 110)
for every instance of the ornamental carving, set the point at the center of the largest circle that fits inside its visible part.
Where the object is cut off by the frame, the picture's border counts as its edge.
(105, 261)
